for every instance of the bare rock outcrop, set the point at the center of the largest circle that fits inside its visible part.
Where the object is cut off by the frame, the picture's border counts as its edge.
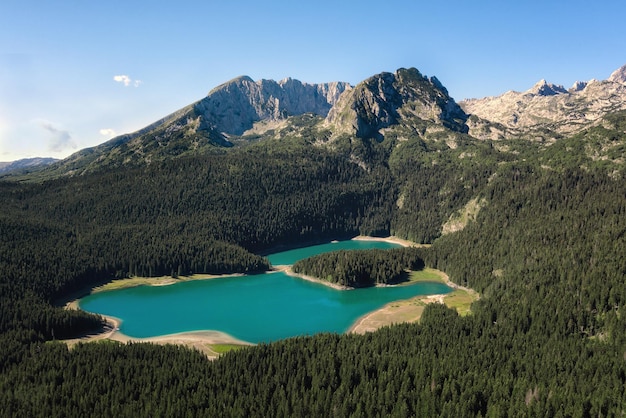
(546, 111)
(389, 98)
(234, 107)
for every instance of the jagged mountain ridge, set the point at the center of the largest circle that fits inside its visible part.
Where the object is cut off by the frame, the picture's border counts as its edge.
(546, 111)
(403, 104)
(227, 111)
(233, 107)
(241, 106)
(388, 99)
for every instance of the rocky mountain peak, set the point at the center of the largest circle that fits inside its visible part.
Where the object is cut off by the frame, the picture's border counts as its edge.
(578, 86)
(234, 107)
(388, 98)
(543, 88)
(619, 75)
(547, 111)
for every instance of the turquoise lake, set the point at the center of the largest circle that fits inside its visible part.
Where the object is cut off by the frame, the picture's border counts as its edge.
(254, 308)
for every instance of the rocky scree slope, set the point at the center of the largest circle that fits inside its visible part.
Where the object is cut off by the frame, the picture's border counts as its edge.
(546, 111)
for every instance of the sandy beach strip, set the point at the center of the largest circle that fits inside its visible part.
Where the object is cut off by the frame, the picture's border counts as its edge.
(391, 239)
(202, 340)
(288, 271)
(408, 310)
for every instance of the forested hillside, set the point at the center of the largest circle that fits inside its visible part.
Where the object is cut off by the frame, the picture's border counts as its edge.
(545, 248)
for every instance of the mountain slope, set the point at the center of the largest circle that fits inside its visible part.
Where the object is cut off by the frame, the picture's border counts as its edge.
(546, 111)
(387, 99)
(208, 124)
(25, 164)
(537, 229)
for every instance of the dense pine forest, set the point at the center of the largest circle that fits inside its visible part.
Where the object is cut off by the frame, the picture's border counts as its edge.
(544, 245)
(362, 268)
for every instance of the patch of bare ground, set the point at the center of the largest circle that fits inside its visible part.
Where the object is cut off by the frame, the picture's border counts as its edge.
(410, 310)
(210, 343)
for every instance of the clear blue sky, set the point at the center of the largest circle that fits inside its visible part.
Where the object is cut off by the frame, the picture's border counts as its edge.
(75, 73)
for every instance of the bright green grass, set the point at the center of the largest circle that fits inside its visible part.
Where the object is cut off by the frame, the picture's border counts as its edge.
(426, 275)
(225, 348)
(460, 300)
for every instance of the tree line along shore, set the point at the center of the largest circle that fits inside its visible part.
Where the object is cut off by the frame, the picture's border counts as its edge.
(204, 340)
(543, 247)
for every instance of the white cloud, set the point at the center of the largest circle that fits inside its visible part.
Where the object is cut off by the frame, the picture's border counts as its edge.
(122, 79)
(60, 139)
(126, 80)
(107, 132)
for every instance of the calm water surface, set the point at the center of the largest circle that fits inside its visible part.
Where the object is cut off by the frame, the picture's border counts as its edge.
(256, 308)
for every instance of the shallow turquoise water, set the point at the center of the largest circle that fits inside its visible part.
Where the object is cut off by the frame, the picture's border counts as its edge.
(256, 308)
(291, 256)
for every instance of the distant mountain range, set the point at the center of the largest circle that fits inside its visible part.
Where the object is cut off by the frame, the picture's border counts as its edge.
(244, 110)
(400, 104)
(25, 164)
(546, 111)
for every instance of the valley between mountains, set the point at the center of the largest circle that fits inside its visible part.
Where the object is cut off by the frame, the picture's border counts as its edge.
(519, 197)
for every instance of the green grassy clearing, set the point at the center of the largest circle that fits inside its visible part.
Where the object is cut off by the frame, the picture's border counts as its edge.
(224, 348)
(426, 275)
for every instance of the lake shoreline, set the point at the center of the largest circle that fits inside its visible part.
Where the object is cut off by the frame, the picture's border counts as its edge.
(200, 339)
(289, 271)
(168, 280)
(410, 310)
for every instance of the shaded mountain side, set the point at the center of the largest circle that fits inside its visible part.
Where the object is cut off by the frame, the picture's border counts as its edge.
(387, 99)
(25, 164)
(234, 107)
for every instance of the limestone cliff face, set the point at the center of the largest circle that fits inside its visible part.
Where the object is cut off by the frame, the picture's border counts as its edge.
(390, 98)
(227, 111)
(401, 104)
(546, 111)
(619, 75)
(233, 107)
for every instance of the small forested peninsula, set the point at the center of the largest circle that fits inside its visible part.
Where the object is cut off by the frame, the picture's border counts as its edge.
(361, 268)
(535, 223)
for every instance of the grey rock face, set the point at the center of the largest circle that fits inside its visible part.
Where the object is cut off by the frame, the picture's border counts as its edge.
(546, 111)
(386, 99)
(233, 107)
(619, 75)
(578, 86)
(543, 88)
